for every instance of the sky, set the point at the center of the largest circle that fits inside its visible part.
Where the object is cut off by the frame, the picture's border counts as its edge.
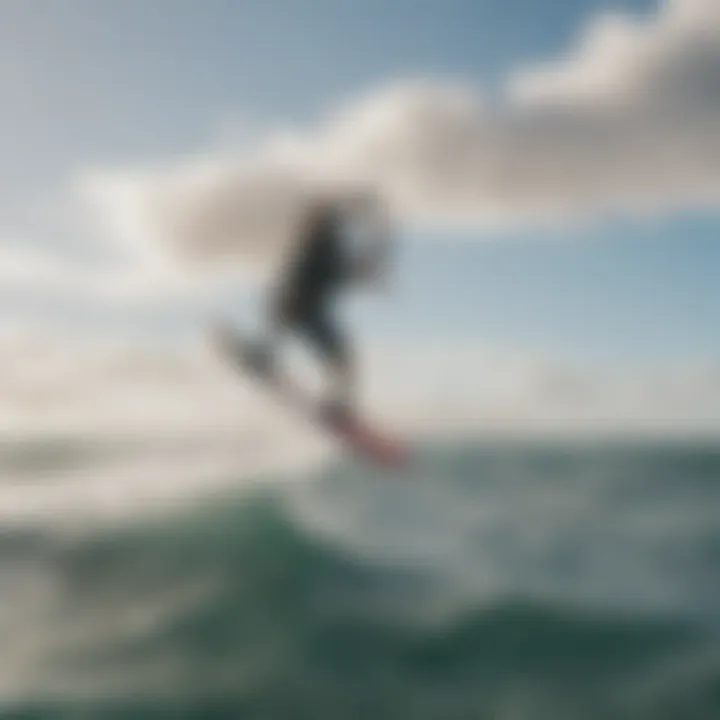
(553, 166)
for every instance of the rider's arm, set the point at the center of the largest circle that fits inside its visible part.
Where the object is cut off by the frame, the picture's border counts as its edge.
(370, 264)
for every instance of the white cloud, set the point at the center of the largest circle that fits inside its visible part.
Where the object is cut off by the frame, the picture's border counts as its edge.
(626, 122)
(27, 266)
(51, 384)
(36, 269)
(466, 388)
(198, 210)
(106, 429)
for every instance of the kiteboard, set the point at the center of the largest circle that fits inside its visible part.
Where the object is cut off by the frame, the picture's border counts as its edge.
(357, 435)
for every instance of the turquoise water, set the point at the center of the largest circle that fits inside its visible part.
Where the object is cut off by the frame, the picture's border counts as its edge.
(507, 581)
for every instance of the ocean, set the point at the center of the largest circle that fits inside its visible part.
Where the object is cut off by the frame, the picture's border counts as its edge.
(501, 580)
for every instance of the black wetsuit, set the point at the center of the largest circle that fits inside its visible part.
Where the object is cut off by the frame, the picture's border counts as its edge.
(319, 268)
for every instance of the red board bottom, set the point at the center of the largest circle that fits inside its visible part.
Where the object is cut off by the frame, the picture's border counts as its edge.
(375, 446)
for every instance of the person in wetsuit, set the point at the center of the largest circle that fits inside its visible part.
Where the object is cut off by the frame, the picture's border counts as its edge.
(322, 264)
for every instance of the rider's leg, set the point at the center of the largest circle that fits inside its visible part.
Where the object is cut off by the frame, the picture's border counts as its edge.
(278, 320)
(334, 350)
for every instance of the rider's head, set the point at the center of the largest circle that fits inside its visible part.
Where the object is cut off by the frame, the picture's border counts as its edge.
(355, 202)
(361, 201)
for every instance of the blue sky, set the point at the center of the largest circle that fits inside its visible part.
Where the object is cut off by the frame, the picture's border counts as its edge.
(100, 80)
(98, 83)
(616, 293)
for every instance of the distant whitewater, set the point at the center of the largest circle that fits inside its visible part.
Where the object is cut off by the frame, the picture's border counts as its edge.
(504, 581)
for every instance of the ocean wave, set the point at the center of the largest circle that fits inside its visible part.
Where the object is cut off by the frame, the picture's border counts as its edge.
(326, 599)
